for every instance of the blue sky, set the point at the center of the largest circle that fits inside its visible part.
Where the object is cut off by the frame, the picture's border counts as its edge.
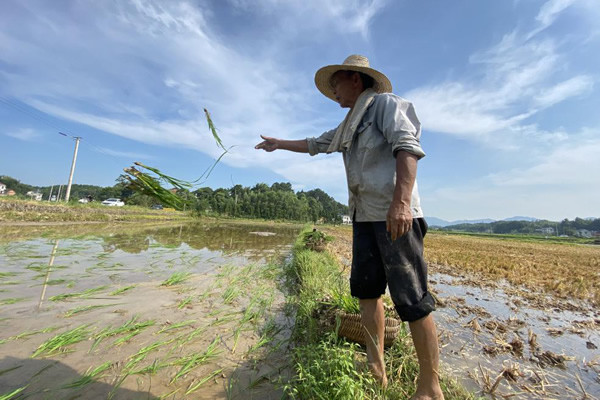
(507, 92)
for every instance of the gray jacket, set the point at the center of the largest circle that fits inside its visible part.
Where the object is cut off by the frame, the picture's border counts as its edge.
(389, 125)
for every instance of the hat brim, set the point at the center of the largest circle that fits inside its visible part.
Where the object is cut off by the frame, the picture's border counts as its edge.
(323, 78)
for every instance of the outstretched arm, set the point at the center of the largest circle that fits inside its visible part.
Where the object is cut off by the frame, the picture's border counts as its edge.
(269, 144)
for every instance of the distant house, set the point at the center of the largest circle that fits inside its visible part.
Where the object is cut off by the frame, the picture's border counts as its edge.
(37, 196)
(583, 233)
(546, 231)
(346, 220)
(2, 188)
(11, 192)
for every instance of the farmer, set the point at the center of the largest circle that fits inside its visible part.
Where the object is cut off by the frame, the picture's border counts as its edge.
(379, 140)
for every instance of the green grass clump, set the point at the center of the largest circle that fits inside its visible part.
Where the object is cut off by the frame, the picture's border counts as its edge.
(59, 343)
(326, 370)
(176, 278)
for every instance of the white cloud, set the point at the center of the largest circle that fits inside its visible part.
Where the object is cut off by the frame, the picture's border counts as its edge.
(344, 16)
(518, 78)
(548, 14)
(561, 182)
(563, 90)
(574, 162)
(25, 134)
(125, 154)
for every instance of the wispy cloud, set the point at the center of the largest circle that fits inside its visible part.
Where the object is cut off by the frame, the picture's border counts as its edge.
(25, 134)
(344, 16)
(560, 183)
(548, 14)
(124, 154)
(518, 77)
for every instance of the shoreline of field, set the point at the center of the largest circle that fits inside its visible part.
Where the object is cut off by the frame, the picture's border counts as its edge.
(21, 211)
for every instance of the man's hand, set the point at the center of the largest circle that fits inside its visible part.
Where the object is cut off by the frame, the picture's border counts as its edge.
(268, 144)
(399, 219)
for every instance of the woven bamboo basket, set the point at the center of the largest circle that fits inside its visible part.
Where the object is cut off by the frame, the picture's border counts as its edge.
(352, 329)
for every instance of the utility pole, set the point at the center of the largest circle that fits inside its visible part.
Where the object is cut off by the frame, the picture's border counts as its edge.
(68, 193)
(50, 195)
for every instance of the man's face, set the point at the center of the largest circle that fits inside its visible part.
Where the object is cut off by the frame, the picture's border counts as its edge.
(344, 88)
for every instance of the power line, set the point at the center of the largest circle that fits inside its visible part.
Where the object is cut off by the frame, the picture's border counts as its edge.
(41, 117)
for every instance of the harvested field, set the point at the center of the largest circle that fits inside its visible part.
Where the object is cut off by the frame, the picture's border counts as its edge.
(516, 319)
(564, 270)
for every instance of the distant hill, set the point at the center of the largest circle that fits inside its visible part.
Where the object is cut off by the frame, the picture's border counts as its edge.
(530, 219)
(434, 221)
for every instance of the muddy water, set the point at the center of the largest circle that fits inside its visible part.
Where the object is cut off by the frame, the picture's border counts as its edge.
(508, 343)
(170, 311)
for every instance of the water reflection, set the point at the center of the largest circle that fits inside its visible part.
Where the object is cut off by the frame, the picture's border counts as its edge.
(47, 277)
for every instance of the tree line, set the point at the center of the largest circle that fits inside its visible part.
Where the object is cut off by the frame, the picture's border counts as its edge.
(564, 227)
(278, 201)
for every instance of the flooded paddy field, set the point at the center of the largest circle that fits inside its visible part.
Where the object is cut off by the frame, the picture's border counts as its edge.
(134, 311)
(515, 320)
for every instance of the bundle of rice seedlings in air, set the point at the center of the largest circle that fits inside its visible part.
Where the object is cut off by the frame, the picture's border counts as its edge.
(149, 180)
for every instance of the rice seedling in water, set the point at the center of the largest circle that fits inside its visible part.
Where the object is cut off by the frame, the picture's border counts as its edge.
(122, 290)
(143, 353)
(85, 294)
(152, 368)
(79, 310)
(59, 342)
(183, 339)
(89, 376)
(11, 395)
(52, 282)
(268, 335)
(196, 385)
(129, 326)
(176, 278)
(35, 332)
(169, 395)
(188, 363)
(183, 303)
(230, 294)
(221, 321)
(177, 325)
(5, 302)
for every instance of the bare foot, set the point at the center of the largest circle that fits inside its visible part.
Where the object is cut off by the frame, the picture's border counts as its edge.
(378, 373)
(435, 394)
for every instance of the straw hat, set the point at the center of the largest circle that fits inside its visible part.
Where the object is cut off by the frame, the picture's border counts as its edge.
(354, 62)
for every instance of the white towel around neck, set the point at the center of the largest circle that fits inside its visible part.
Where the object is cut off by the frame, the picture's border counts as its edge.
(342, 140)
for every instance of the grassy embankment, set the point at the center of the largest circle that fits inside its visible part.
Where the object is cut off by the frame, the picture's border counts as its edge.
(17, 210)
(328, 367)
